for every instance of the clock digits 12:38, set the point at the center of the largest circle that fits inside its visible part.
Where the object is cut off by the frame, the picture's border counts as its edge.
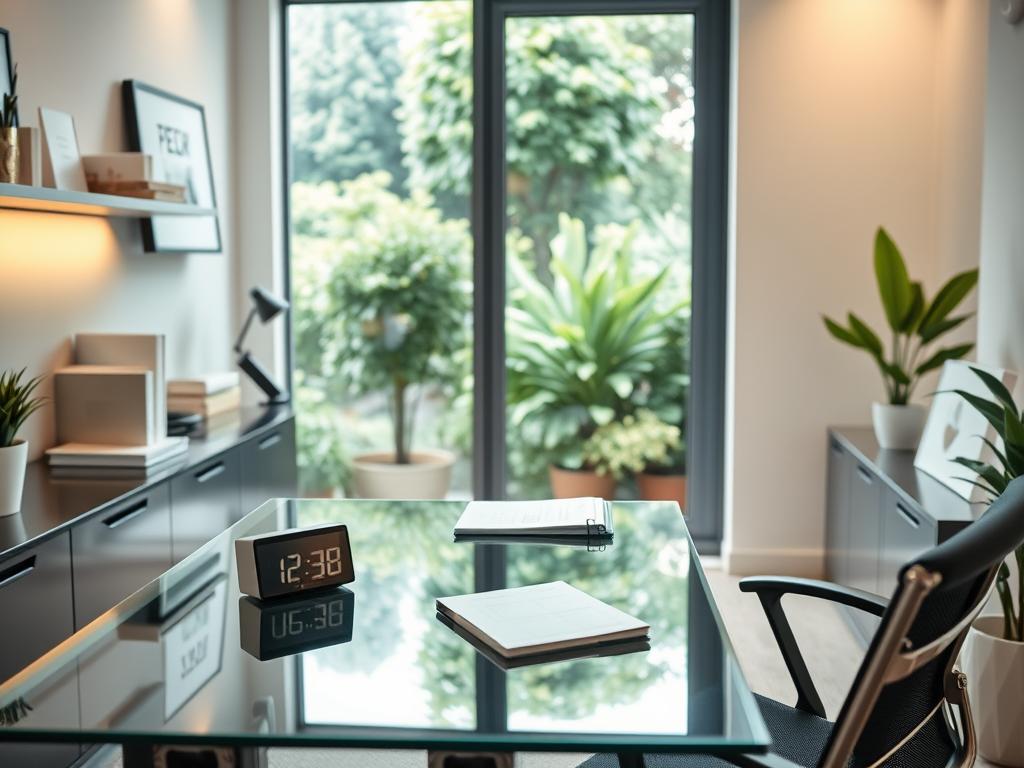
(286, 562)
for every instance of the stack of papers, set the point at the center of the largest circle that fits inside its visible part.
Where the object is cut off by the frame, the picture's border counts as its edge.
(93, 455)
(540, 619)
(587, 516)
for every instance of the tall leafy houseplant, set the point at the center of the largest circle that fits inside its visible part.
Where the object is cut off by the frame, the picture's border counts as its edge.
(582, 353)
(915, 324)
(398, 299)
(17, 402)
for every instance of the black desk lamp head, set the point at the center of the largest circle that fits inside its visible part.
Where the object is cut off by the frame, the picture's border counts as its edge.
(267, 306)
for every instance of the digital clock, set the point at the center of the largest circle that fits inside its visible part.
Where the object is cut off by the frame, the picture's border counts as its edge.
(295, 625)
(287, 562)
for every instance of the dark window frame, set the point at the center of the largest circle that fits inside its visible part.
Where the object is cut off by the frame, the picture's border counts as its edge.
(705, 426)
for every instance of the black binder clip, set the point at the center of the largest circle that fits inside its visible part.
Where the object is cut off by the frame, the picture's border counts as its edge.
(597, 536)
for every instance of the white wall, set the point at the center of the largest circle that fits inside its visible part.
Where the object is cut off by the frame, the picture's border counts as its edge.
(1001, 315)
(64, 274)
(844, 121)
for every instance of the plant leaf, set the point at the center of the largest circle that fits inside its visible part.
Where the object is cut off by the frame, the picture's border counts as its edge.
(916, 310)
(940, 357)
(932, 332)
(869, 339)
(996, 387)
(894, 371)
(841, 333)
(894, 285)
(948, 297)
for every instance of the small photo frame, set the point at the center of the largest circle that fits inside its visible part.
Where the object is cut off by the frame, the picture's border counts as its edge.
(63, 160)
(6, 65)
(954, 428)
(173, 131)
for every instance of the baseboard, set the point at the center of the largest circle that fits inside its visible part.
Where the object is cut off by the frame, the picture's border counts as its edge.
(808, 563)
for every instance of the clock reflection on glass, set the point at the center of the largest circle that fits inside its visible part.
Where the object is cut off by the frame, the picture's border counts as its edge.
(295, 625)
(287, 562)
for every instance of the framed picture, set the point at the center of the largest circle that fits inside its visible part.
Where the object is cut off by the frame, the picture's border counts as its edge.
(955, 429)
(6, 65)
(173, 131)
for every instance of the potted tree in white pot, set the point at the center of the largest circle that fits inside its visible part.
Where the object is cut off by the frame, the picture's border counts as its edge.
(915, 323)
(399, 312)
(993, 655)
(17, 403)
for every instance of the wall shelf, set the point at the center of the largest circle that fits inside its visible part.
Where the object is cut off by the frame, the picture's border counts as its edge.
(25, 198)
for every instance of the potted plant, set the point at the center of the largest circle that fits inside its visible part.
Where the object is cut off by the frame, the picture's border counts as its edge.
(399, 309)
(621, 448)
(9, 133)
(582, 352)
(323, 462)
(993, 655)
(17, 403)
(916, 324)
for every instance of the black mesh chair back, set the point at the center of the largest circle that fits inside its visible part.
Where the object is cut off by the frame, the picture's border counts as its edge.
(898, 711)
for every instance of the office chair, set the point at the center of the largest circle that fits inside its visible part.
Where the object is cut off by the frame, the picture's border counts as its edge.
(899, 711)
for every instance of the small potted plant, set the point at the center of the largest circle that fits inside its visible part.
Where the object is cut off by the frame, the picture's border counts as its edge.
(618, 449)
(398, 308)
(664, 479)
(9, 134)
(915, 323)
(993, 655)
(17, 403)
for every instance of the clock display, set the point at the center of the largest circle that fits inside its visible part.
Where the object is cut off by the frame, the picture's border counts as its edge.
(302, 560)
(297, 624)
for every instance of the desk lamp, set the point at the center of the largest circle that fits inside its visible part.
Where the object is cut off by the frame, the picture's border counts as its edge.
(267, 306)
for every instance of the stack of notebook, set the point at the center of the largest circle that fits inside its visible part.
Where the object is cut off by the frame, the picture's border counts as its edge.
(555, 520)
(150, 457)
(212, 395)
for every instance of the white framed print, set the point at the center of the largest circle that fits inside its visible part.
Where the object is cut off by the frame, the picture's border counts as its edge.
(62, 156)
(173, 131)
(954, 428)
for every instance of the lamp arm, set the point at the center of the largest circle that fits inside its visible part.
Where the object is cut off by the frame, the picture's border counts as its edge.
(245, 330)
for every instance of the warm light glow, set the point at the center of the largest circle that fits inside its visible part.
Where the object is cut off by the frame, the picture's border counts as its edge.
(51, 258)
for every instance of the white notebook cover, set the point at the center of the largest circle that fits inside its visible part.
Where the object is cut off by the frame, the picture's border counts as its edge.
(550, 517)
(540, 618)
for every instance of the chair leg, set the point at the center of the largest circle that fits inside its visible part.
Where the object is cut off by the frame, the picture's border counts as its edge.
(631, 760)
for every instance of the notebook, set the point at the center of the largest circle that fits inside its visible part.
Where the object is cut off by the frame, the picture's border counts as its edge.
(91, 455)
(542, 618)
(587, 516)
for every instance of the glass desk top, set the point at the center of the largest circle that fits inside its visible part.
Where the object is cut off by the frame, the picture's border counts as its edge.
(188, 659)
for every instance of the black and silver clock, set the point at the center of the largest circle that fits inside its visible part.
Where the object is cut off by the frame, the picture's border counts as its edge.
(288, 562)
(295, 625)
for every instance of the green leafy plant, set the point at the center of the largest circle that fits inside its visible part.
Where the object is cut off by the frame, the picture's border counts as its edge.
(397, 303)
(584, 351)
(321, 456)
(631, 445)
(914, 321)
(1002, 413)
(9, 112)
(17, 403)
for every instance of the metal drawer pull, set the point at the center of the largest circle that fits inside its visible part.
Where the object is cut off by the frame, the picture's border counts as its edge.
(864, 474)
(210, 472)
(909, 516)
(129, 513)
(24, 568)
(270, 440)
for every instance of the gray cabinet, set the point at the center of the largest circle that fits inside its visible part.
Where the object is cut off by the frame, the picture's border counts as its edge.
(268, 467)
(837, 522)
(120, 551)
(864, 533)
(906, 533)
(36, 603)
(204, 501)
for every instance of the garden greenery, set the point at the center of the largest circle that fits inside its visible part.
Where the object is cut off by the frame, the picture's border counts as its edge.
(914, 321)
(630, 446)
(17, 403)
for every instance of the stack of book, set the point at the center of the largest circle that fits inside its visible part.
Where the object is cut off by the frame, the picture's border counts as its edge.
(215, 396)
(129, 174)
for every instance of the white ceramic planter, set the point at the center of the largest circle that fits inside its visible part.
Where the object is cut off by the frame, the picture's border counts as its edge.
(995, 679)
(12, 476)
(427, 476)
(898, 427)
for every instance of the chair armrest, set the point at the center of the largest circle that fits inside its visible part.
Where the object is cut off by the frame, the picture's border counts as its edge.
(826, 590)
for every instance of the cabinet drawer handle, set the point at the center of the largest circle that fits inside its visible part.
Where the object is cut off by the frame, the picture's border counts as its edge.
(210, 472)
(864, 475)
(129, 513)
(907, 515)
(24, 568)
(837, 449)
(269, 441)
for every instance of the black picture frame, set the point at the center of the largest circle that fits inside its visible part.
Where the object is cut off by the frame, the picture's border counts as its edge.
(6, 66)
(174, 234)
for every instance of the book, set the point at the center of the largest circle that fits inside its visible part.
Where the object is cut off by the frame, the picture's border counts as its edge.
(538, 619)
(207, 384)
(148, 190)
(615, 648)
(585, 516)
(118, 166)
(139, 349)
(93, 455)
(110, 405)
(210, 405)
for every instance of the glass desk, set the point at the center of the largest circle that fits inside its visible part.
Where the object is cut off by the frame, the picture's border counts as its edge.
(187, 660)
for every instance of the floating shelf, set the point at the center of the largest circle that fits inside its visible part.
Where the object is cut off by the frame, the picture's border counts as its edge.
(22, 197)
